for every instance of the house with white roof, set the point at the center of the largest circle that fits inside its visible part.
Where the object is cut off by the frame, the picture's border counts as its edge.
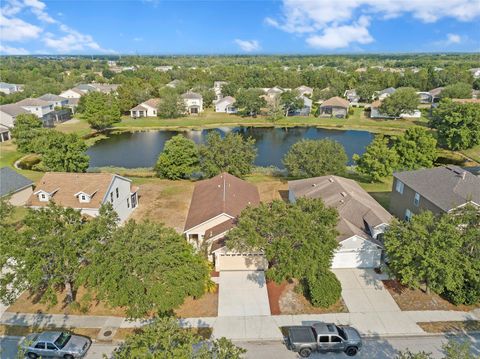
(226, 105)
(147, 108)
(8, 89)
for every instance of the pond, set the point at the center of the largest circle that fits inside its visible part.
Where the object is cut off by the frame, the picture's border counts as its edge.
(141, 149)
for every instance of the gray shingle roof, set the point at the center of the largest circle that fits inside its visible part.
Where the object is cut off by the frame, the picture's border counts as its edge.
(192, 95)
(13, 109)
(11, 181)
(51, 97)
(33, 102)
(447, 187)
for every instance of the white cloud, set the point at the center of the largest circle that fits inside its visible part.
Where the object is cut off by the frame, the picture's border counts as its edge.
(337, 37)
(137, 39)
(15, 29)
(453, 39)
(8, 50)
(320, 19)
(248, 45)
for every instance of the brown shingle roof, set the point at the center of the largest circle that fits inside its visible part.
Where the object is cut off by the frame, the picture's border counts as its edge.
(66, 185)
(354, 205)
(223, 193)
(153, 102)
(336, 102)
(376, 104)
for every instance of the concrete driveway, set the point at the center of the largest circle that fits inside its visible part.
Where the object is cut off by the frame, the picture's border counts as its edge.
(242, 293)
(364, 292)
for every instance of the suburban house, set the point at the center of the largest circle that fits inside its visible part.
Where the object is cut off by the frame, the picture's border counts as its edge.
(8, 89)
(8, 114)
(334, 107)
(362, 220)
(305, 110)
(81, 89)
(351, 96)
(274, 92)
(475, 72)
(217, 88)
(439, 190)
(57, 101)
(226, 105)
(163, 68)
(16, 187)
(72, 93)
(425, 97)
(304, 90)
(382, 95)
(215, 205)
(146, 109)
(36, 106)
(86, 192)
(193, 102)
(376, 113)
(104, 88)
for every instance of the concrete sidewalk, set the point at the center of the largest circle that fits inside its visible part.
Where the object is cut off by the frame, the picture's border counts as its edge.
(259, 327)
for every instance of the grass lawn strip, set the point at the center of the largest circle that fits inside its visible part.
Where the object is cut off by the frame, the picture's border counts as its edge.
(451, 327)
(20, 331)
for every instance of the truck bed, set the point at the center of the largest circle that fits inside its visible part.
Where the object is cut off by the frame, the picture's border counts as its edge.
(301, 334)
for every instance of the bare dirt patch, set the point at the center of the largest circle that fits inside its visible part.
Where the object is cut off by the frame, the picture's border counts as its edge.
(285, 300)
(270, 188)
(416, 299)
(205, 306)
(450, 327)
(165, 202)
(28, 303)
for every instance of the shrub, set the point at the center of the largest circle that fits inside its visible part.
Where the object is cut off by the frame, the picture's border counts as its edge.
(324, 289)
(27, 162)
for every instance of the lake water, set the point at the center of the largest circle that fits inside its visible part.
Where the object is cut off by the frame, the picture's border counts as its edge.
(141, 149)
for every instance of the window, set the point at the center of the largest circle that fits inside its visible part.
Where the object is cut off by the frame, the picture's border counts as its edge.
(50, 346)
(323, 339)
(116, 192)
(40, 345)
(111, 197)
(399, 187)
(408, 214)
(416, 200)
(83, 198)
(128, 202)
(335, 339)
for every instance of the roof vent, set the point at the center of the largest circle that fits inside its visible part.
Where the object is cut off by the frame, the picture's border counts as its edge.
(314, 185)
(344, 194)
(331, 179)
(463, 174)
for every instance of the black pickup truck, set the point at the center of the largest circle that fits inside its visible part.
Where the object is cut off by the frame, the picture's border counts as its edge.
(322, 337)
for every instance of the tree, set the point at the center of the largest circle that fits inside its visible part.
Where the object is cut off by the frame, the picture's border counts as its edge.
(232, 154)
(100, 110)
(249, 102)
(312, 158)
(275, 110)
(366, 91)
(458, 125)
(208, 95)
(457, 90)
(165, 339)
(64, 153)
(417, 148)
(426, 251)
(290, 101)
(230, 89)
(171, 105)
(49, 253)
(179, 158)
(298, 239)
(403, 100)
(27, 128)
(452, 349)
(324, 288)
(378, 161)
(146, 268)
(132, 92)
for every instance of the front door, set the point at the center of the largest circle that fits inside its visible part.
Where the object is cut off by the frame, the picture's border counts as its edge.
(194, 110)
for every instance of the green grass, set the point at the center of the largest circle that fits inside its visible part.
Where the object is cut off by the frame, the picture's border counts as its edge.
(473, 153)
(8, 156)
(357, 121)
(75, 125)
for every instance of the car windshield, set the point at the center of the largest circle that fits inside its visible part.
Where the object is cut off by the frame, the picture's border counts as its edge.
(62, 340)
(342, 333)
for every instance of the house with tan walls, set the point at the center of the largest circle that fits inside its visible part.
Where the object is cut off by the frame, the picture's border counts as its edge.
(15, 187)
(147, 108)
(86, 192)
(216, 203)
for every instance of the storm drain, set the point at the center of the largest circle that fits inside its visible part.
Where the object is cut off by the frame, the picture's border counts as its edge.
(106, 334)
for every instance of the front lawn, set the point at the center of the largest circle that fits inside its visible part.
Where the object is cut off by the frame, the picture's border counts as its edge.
(205, 306)
(416, 299)
(450, 327)
(473, 153)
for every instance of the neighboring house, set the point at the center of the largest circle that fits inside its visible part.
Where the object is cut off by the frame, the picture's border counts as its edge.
(73, 93)
(216, 204)
(304, 90)
(362, 220)
(86, 192)
(439, 190)
(382, 95)
(57, 101)
(425, 97)
(163, 68)
(16, 187)
(193, 102)
(274, 92)
(82, 89)
(226, 105)
(8, 89)
(305, 110)
(376, 113)
(217, 88)
(436, 94)
(351, 96)
(36, 106)
(8, 114)
(334, 107)
(104, 88)
(173, 83)
(148, 108)
(475, 73)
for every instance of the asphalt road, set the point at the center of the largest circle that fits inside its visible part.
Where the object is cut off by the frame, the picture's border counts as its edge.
(373, 348)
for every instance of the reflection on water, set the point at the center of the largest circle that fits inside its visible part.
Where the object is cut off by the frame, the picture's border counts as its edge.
(141, 149)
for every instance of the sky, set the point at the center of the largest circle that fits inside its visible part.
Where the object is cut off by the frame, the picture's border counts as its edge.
(164, 27)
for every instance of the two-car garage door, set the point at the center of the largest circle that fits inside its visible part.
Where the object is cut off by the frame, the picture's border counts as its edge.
(362, 258)
(234, 261)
